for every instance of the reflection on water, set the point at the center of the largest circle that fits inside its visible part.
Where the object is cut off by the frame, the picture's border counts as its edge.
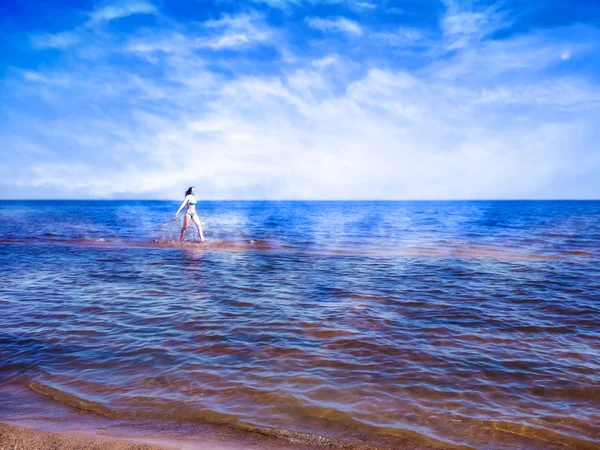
(469, 323)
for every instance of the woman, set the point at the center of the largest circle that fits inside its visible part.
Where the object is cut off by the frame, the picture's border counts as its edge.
(190, 213)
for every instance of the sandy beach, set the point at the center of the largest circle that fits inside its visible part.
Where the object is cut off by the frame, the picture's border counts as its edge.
(17, 437)
(13, 437)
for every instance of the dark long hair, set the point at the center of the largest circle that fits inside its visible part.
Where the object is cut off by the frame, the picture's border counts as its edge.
(189, 191)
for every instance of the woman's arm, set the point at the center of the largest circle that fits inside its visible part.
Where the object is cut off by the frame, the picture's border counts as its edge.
(185, 200)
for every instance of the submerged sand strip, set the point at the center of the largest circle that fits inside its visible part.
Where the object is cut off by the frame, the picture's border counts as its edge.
(465, 250)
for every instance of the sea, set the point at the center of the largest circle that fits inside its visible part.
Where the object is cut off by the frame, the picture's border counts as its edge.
(342, 324)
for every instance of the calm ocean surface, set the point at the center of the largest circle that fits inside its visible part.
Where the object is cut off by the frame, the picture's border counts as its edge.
(456, 323)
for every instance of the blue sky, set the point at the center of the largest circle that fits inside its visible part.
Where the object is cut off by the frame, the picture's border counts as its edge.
(300, 99)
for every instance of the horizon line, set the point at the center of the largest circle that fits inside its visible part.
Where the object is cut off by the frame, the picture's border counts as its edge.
(302, 200)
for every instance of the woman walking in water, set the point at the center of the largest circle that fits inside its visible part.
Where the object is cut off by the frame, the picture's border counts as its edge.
(190, 213)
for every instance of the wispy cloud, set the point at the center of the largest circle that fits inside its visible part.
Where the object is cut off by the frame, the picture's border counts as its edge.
(286, 5)
(280, 4)
(361, 5)
(529, 53)
(236, 31)
(117, 10)
(404, 37)
(339, 24)
(88, 31)
(463, 26)
(324, 62)
(171, 42)
(59, 40)
(56, 79)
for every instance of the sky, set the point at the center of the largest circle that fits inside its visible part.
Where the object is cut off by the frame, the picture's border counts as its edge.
(300, 99)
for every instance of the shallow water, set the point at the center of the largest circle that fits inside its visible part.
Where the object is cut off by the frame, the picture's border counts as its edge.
(466, 323)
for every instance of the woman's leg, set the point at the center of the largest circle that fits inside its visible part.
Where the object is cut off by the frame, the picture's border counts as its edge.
(186, 221)
(196, 221)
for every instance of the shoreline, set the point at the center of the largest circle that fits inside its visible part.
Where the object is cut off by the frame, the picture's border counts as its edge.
(33, 434)
(29, 420)
(16, 436)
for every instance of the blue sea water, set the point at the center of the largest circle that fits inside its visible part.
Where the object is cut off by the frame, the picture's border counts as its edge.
(381, 323)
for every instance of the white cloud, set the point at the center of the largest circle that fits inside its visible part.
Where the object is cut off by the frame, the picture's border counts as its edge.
(287, 5)
(528, 54)
(563, 94)
(404, 37)
(236, 31)
(280, 4)
(214, 124)
(53, 79)
(59, 40)
(394, 10)
(171, 43)
(339, 24)
(361, 5)
(324, 62)
(233, 22)
(230, 40)
(566, 55)
(118, 10)
(463, 27)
